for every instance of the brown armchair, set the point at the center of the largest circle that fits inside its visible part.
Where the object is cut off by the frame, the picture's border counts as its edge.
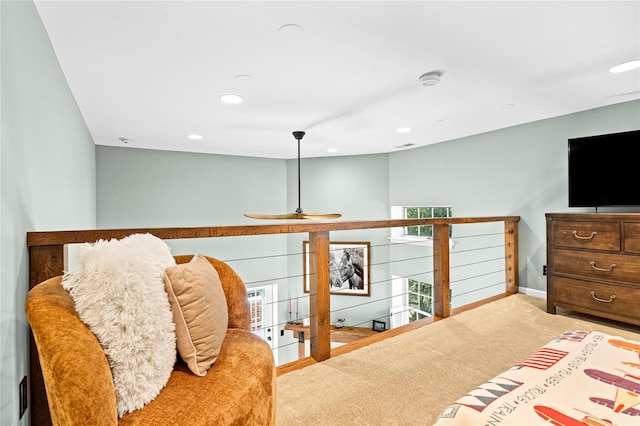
(238, 389)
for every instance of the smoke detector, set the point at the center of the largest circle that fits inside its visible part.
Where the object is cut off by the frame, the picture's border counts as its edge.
(431, 78)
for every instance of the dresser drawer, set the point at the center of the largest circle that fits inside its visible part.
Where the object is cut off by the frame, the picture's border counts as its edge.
(601, 266)
(588, 235)
(612, 299)
(632, 237)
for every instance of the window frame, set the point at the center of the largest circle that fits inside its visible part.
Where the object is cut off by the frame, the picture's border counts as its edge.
(425, 231)
(416, 311)
(403, 312)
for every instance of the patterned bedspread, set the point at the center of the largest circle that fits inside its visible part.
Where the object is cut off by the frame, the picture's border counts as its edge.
(578, 378)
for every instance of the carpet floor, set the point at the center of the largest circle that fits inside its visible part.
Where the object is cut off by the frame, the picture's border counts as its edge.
(410, 378)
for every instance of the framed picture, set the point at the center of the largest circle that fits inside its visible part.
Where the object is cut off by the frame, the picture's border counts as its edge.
(348, 268)
(379, 325)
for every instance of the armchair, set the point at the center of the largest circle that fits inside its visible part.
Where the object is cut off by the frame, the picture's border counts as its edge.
(238, 389)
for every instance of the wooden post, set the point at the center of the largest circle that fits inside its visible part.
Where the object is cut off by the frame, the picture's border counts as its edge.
(441, 278)
(44, 262)
(551, 282)
(319, 296)
(511, 256)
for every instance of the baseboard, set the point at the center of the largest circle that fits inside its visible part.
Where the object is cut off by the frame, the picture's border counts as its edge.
(532, 292)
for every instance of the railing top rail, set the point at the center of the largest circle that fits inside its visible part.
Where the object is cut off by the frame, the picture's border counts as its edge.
(52, 238)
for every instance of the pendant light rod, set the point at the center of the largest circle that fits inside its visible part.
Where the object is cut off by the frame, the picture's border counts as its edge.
(298, 135)
(299, 214)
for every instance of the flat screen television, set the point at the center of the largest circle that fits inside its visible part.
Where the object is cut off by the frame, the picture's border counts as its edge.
(604, 170)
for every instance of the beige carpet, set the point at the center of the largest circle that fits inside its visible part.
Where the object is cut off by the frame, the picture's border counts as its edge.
(410, 378)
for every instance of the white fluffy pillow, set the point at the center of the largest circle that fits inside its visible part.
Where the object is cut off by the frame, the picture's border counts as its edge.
(118, 290)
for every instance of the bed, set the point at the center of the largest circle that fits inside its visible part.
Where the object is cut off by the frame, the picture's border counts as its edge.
(578, 378)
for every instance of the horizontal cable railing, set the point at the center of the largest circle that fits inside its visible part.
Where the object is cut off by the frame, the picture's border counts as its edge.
(477, 271)
(314, 286)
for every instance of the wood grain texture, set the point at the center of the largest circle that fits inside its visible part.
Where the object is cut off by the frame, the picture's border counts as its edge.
(43, 238)
(587, 234)
(45, 262)
(602, 266)
(599, 299)
(511, 256)
(319, 300)
(441, 271)
(632, 238)
(590, 268)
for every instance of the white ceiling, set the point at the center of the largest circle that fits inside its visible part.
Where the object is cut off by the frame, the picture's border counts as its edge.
(152, 71)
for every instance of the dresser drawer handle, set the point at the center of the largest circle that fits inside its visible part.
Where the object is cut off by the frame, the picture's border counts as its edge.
(578, 237)
(611, 299)
(593, 265)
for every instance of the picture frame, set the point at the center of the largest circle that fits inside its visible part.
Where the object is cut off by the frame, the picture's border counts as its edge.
(349, 268)
(379, 326)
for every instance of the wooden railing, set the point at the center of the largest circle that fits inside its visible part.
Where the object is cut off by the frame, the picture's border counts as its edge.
(46, 260)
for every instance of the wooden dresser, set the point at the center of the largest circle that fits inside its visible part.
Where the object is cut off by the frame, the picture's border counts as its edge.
(593, 264)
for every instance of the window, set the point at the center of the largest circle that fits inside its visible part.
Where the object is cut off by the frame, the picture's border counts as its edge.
(425, 213)
(420, 298)
(412, 300)
(256, 303)
(263, 311)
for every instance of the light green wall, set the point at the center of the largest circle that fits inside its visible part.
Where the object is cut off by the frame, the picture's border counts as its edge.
(47, 174)
(355, 186)
(521, 170)
(146, 188)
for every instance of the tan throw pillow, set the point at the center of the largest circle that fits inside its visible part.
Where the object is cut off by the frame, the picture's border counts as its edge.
(199, 310)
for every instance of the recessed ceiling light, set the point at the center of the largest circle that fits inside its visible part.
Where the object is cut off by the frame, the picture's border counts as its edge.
(291, 31)
(194, 137)
(332, 150)
(403, 129)
(626, 66)
(231, 99)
